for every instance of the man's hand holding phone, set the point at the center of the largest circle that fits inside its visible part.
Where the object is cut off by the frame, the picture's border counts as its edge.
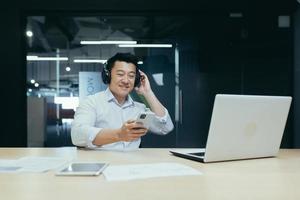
(145, 119)
(131, 130)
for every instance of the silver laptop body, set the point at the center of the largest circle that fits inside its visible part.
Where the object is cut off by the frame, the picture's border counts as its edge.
(243, 127)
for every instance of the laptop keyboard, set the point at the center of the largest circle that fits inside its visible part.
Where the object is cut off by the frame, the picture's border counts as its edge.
(198, 154)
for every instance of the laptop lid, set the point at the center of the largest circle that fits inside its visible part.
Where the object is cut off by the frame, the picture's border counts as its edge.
(246, 126)
(242, 127)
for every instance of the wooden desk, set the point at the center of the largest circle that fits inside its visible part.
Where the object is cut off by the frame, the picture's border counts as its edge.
(266, 179)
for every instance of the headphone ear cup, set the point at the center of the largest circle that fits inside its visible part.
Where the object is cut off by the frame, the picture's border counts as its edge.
(105, 75)
(108, 76)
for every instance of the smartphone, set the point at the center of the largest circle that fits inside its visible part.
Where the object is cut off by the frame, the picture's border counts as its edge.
(146, 119)
(82, 169)
(142, 77)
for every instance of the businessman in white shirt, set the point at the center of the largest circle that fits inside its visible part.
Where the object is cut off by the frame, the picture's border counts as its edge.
(107, 119)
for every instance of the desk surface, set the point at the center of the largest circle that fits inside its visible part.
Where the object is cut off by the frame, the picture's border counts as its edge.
(270, 178)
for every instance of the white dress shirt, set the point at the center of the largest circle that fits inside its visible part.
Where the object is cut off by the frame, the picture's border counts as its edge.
(102, 110)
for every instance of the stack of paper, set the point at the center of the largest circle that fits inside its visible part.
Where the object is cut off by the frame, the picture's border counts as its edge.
(32, 164)
(140, 171)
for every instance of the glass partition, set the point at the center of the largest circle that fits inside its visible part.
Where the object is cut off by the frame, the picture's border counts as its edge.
(65, 56)
(195, 56)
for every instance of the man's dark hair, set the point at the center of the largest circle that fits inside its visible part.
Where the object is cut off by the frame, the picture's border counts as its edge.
(126, 57)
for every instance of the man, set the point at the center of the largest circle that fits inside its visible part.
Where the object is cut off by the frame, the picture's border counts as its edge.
(107, 119)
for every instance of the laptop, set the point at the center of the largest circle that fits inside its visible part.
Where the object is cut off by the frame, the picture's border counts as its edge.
(242, 127)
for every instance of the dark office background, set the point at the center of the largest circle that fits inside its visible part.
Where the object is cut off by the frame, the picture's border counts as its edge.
(251, 55)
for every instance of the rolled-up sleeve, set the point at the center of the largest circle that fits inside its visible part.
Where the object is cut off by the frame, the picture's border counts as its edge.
(162, 125)
(83, 131)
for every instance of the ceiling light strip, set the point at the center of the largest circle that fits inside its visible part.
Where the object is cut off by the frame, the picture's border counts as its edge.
(36, 58)
(147, 45)
(107, 42)
(88, 61)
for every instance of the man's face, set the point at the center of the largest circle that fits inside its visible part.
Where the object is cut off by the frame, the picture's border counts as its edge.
(122, 78)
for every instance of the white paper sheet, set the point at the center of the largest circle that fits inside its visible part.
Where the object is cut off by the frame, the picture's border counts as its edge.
(141, 171)
(32, 164)
(41, 164)
(7, 162)
(9, 166)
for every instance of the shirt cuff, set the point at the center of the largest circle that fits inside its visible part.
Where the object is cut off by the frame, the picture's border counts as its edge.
(92, 133)
(164, 118)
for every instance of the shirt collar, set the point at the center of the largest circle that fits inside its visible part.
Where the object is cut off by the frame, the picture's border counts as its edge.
(110, 97)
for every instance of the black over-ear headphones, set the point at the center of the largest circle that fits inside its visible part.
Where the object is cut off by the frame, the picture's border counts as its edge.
(106, 75)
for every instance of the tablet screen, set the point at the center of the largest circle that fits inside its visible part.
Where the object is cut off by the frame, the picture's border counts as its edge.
(83, 168)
